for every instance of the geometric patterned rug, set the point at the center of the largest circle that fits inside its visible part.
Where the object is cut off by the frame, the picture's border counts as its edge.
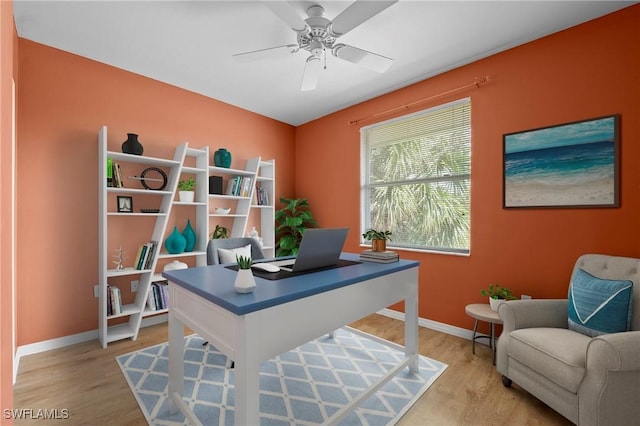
(304, 386)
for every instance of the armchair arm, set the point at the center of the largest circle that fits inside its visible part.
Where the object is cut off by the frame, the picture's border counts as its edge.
(609, 391)
(517, 314)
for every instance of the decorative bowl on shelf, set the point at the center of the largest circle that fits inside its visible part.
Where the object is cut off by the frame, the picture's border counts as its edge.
(222, 210)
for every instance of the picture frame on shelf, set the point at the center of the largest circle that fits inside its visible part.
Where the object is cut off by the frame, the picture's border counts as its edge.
(570, 165)
(125, 204)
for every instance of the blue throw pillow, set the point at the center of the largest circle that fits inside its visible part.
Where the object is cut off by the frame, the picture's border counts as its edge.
(598, 306)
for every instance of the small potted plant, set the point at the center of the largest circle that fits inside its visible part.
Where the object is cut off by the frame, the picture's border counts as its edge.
(497, 295)
(220, 232)
(245, 282)
(378, 239)
(186, 188)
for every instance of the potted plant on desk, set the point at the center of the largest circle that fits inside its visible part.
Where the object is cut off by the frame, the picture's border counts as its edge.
(497, 295)
(378, 239)
(245, 282)
(186, 188)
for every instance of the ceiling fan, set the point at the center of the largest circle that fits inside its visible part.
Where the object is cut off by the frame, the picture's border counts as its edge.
(317, 34)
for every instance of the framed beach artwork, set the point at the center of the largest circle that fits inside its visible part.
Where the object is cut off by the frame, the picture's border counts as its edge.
(568, 165)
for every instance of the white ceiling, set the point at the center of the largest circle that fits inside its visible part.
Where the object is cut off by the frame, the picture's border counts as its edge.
(190, 44)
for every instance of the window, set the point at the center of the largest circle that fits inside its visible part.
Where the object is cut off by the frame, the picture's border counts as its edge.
(416, 178)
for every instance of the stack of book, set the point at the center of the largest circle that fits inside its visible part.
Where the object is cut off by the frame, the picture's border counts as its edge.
(114, 174)
(261, 196)
(158, 295)
(114, 301)
(144, 258)
(239, 186)
(386, 256)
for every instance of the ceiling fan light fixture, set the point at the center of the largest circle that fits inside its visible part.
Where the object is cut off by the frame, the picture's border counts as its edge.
(316, 47)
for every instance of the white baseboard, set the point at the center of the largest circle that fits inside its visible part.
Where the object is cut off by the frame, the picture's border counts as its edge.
(61, 342)
(432, 325)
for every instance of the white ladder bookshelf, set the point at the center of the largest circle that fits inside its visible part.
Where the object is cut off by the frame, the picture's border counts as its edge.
(186, 162)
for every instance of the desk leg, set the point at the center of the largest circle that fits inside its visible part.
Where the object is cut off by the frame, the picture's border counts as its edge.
(247, 372)
(176, 362)
(411, 330)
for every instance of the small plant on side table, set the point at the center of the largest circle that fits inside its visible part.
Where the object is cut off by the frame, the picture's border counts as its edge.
(378, 239)
(245, 282)
(497, 294)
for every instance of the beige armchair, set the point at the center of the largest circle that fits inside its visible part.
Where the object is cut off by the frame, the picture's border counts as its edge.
(589, 380)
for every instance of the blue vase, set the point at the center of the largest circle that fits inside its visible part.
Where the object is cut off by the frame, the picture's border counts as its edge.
(190, 236)
(175, 243)
(222, 158)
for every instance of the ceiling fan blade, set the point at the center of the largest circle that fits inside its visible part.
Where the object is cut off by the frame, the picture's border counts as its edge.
(272, 52)
(357, 13)
(311, 73)
(369, 60)
(287, 14)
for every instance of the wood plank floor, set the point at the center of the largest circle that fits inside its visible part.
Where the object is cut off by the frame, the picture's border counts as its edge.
(86, 380)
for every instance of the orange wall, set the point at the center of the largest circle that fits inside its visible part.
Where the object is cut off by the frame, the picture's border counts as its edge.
(8, 72)
(587, 71)
(64, 99)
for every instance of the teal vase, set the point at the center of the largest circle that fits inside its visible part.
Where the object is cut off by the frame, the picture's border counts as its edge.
(175, 243)
(190, 236)
(222, 158)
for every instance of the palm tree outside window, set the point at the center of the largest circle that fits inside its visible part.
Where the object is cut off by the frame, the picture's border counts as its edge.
(416, 175)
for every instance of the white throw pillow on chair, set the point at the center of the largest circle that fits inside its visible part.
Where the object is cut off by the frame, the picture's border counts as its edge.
(229, 255)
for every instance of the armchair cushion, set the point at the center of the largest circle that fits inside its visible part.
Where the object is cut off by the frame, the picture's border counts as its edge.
(555, 353)
(599, 306)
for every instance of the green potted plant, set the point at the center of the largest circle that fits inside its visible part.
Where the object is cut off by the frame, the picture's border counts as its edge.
(186, 188)
(497, 295)
(245, 282)
(291, 221)
(219, 232)
(378, 239)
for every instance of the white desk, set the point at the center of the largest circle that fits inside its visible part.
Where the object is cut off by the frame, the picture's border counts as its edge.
(281, 315)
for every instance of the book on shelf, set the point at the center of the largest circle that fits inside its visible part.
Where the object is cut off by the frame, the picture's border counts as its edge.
(386, 256)
(116, 300)
(109, 307)
(239, 186)
(144, 258)
(152, 250)
(260, 197)
(114, 174)
(109, 172)
(158, 295)
(246, 186)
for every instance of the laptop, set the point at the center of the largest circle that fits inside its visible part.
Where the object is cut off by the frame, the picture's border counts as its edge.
(319, 247)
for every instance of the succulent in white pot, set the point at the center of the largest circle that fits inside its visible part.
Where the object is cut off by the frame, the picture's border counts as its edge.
(245, 281)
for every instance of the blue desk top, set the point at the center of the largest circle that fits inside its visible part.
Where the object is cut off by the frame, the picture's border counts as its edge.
(215, 283)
